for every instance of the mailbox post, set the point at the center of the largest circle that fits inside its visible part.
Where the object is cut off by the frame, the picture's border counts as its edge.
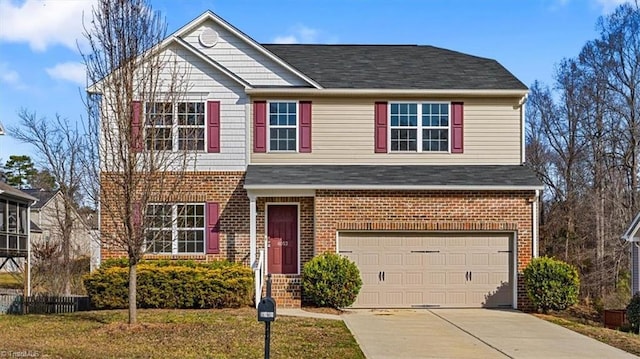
(267, 314)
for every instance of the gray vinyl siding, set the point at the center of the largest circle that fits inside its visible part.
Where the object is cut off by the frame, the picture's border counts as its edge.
(243, 59)
(207, 83)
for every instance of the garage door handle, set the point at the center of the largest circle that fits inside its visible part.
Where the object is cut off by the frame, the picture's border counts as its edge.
(346, 252)
(383, 276)
(379, 276)
(466, 276)
(425, 251)
(470, 275)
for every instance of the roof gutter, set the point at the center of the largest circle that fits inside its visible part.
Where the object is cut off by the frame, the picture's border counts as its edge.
(392, 187)
(297, 91)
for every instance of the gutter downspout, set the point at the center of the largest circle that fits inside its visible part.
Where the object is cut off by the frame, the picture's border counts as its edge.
(522, 107)
(534, 234)
(252, 231)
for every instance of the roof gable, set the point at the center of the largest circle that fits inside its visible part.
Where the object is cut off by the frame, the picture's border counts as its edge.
(189, 30)
(43, 196)
(631, 233)
(396, 67)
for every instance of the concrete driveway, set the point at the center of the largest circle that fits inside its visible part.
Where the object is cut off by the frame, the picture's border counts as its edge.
(468, 333)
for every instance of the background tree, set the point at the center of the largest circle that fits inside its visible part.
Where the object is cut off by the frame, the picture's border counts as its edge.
(19, 170)
(135, 82)
(59, 148)
(583, 139)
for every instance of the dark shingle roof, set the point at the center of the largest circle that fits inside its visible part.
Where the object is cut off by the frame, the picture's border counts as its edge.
(360, 176)
(396, 67)
(43, 196)
(14, 192)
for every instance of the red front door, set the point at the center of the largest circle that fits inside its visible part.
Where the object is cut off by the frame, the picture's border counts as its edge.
(282, 229)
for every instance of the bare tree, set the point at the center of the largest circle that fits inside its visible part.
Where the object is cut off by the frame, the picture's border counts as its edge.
(132, 157)
(59, 148)
(584, 137)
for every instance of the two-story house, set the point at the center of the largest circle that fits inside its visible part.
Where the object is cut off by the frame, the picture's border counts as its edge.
(47, 213)
(406, 159)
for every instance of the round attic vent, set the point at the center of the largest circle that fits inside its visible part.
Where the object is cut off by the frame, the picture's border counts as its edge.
(208, 37)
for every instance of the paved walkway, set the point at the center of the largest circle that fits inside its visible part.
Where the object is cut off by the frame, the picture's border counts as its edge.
(468, 333)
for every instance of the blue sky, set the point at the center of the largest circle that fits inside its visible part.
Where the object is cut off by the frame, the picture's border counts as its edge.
(41, 70)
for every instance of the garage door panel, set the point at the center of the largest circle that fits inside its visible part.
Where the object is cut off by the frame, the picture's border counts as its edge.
(431, 269)
(414, 279)
(435, 278)
(481, 259)
(369, 299)
(391, 258)
(456, 278)
(456, 259)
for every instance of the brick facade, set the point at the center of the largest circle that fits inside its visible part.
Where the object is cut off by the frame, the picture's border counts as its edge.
(225, 188)
(392, 210)
(355, 210)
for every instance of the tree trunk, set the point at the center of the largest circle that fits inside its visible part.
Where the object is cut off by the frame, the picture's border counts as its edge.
(133, 306)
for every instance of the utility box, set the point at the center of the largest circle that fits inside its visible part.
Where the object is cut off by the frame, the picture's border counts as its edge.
(267, 310)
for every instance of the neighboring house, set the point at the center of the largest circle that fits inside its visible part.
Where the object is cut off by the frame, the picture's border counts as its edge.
(46, 213)
(14, 228)
(406, 159)
(633, 237)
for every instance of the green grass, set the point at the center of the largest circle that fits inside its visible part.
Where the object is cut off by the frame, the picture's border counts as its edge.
(227, 333)
(628, 342)
(11, 280)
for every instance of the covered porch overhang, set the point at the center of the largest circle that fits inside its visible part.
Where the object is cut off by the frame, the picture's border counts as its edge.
(305, 180)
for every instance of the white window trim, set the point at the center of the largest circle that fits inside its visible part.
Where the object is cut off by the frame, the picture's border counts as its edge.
(419, 127)
(296, 150)
(175, 229)
(175, 127)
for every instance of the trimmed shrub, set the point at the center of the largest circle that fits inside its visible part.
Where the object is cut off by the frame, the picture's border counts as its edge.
(633, 313)
(551, 284)
(162, 285)
(330, 280)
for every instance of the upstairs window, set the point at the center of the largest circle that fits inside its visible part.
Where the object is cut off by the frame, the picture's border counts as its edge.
(419, 127)
(174, 127)
(283, 126)
(175, 228)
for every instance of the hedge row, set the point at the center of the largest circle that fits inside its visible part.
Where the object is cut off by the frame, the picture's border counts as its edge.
(162, 285)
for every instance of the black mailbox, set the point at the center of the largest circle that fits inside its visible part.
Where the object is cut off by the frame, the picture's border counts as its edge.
(267, 310)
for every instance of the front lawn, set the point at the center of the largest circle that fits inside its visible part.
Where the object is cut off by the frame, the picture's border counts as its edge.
(628, 342)
(226, 333)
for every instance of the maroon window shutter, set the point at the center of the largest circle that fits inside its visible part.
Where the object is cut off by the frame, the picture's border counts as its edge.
(305, 126)
(457, 131)
(213, 228)
(260, 126)
(213, 126)
(381, 127)
(136, 126)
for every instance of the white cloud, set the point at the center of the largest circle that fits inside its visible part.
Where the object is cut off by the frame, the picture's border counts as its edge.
(287, 39)
(44, 23)
(298, 34)
(10, 77)
(609, 5)
(69, 71)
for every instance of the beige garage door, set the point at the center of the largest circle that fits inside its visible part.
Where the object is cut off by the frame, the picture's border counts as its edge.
(405, 270)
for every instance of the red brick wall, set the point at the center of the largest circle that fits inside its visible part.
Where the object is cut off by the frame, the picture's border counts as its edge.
(426, 210)
(226, 188)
